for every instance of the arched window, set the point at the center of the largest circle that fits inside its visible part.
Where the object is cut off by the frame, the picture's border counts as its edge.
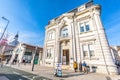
(64, 32)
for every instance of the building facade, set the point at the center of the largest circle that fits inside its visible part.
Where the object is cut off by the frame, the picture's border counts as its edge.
(115, 50)
(28, 53)
(79, 35)
(9, 47)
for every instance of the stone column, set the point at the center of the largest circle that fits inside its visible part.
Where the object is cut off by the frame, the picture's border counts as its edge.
(45, 49)
(77, 40)
(57, 44)
(58, 52)
(40, 57)
(71, 51)
(73, 41)
(106, 63)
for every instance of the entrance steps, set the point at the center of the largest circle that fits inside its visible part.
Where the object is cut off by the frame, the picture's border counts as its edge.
(66, 67)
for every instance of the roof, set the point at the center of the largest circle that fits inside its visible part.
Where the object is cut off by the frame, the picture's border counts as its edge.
(86, 5)
(31, 46)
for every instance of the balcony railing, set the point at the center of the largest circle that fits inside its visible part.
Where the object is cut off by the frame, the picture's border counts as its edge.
(64, 37)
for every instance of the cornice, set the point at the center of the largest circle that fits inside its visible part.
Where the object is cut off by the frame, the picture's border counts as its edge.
(57, 20)
(83, 18)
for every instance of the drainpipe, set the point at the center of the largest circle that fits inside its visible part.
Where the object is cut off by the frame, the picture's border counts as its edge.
(74, 36)
(72, 44)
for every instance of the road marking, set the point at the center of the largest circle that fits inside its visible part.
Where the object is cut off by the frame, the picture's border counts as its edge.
(34, 77)
(26, 77)
(21, 75)
(16, 73)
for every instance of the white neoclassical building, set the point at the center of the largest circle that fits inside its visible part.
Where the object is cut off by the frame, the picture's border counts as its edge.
(78, 35)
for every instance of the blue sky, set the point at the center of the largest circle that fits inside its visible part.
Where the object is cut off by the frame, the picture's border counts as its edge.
(30, 17)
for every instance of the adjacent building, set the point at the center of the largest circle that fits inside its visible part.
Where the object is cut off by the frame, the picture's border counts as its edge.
(8, 49)
(28, 53)
(115, 50)
(79, 35)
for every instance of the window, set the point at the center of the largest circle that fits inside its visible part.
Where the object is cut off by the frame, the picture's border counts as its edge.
(49, 53)
(64, 32)
(87, 27)
(85, 50)
(85, 53)
(92, 53)
(88, 50)
(51, 35)
(91, 49)
(84, 27)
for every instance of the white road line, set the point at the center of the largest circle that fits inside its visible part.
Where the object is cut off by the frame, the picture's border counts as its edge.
(22, 75)
(16, 73)
(27, 77)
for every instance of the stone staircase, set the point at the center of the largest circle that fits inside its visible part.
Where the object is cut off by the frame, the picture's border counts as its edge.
(66, 67)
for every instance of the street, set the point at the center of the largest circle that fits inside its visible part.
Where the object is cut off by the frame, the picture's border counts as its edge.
(8, 73)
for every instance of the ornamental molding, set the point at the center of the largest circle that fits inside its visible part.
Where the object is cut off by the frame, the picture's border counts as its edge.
(83, 18)
(50, 30)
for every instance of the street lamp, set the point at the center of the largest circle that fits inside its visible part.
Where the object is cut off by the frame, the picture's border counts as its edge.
(5, 27)
(3, 34)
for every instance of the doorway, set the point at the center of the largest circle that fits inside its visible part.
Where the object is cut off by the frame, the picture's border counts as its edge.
(65, 59)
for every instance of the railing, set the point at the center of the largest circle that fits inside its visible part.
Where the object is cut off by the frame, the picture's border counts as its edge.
(66, 37)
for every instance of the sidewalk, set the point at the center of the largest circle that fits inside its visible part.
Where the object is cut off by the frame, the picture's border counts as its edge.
(67, 74)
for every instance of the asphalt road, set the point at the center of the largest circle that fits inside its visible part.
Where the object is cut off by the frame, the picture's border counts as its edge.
(14, 74)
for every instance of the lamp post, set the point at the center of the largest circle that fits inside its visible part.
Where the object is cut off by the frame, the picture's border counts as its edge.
(2, 55)
(34, 58)
(5, 27)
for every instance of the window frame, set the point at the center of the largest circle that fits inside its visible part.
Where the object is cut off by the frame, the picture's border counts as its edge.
(84, 26)
(49, 53)
(88, 50)
(51, 35)
(64, 32)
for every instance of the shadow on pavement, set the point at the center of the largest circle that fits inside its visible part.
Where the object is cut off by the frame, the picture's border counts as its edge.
(13, 77)
(71, 75)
